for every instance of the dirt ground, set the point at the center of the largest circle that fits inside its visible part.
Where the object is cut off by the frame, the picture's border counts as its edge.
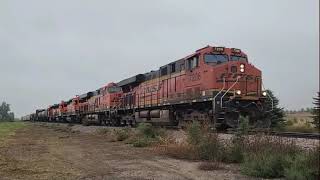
(37, 152)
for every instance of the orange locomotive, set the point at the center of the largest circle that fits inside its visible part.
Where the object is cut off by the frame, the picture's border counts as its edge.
(214, 84)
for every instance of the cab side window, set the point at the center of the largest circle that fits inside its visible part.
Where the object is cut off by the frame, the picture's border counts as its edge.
(164, 71)
(192, 62)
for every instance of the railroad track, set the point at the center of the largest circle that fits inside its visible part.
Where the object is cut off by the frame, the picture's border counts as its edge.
(252, 132)
(298, 135)
(283, 134)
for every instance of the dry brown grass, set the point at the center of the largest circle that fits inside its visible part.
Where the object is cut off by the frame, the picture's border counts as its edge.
(299, 122)
(179, 151)
(210, 166)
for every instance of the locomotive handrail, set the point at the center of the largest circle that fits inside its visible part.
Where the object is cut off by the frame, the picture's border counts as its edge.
(214, 98)
(228, 90)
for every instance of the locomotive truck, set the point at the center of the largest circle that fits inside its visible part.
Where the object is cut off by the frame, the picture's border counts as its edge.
(214, 84)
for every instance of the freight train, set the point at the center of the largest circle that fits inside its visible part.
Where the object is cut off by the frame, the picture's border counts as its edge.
(214, 84)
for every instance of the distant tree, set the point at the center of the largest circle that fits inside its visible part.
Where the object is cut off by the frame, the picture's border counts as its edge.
(316, 111)
(273, 114)
(5, 114)
(11, 116)
(309, 110)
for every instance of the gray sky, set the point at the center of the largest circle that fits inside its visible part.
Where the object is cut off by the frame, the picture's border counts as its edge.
(53, 50)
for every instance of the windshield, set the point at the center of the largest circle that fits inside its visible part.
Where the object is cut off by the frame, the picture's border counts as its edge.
(238, 58)
(215, 58)
(114, 89)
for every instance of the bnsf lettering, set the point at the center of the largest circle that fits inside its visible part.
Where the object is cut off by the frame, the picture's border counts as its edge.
(195, 77)
(152, 88)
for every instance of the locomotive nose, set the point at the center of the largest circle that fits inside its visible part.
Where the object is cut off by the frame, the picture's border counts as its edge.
(249, 82)
(238, 68)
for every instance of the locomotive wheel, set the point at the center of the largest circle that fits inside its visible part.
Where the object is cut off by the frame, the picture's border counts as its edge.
(255, 119)
(85, 122)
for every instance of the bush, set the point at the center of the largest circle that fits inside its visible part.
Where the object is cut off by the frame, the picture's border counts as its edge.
(122, 134)
(266, 164)
(194, 133)
(141, 142)
(147, 135)
(266, 156)
(235, 152)
(147, 130)
(303, 166)
(210, 148)
(243, 126)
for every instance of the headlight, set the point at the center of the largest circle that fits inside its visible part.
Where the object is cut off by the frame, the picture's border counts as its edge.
(242, 68)
(264, 93)
(238, 92)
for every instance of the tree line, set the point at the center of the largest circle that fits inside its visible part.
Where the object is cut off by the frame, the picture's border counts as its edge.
(5, 112)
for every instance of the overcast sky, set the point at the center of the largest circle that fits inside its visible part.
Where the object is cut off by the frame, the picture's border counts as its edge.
(53, 50)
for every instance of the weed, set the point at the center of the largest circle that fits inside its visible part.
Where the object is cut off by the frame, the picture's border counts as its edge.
(179, 151)
(266, 156)
(147, 130)
(235, 151)
(210, 148)
(303, 166)
(147, 135)
(194, 133)
(141, 142)
(122, 134)
(103, 131)
(243, 126)
(210, 166)
(266, 164)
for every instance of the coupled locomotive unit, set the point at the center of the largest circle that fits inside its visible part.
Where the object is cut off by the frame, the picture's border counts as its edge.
(214, 84)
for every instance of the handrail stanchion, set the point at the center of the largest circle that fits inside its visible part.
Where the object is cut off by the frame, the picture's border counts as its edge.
(214, 101)
(228, 90)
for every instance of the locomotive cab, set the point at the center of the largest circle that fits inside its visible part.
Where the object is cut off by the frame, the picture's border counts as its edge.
(225, 76)
(227, 69)
(111, 95)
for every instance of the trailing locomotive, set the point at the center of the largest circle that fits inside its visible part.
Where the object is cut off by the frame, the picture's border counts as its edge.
(214, 84)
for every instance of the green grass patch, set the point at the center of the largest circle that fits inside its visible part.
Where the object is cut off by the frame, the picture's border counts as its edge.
(9, 128)
(147, 135)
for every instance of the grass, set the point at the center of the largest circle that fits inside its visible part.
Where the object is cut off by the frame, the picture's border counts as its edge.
(122, 134)
(210, 166)
(178, 150)
(299, 122)
(103, 131)
(8, 128)
(200, 145)
(303, 166)
(306, 128)
(147, 135)
(258, 155)
(142, 142)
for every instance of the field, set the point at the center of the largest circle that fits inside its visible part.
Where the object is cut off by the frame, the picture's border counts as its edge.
(8, 128)
(299, 122)
(61, 151)
(41, 152)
